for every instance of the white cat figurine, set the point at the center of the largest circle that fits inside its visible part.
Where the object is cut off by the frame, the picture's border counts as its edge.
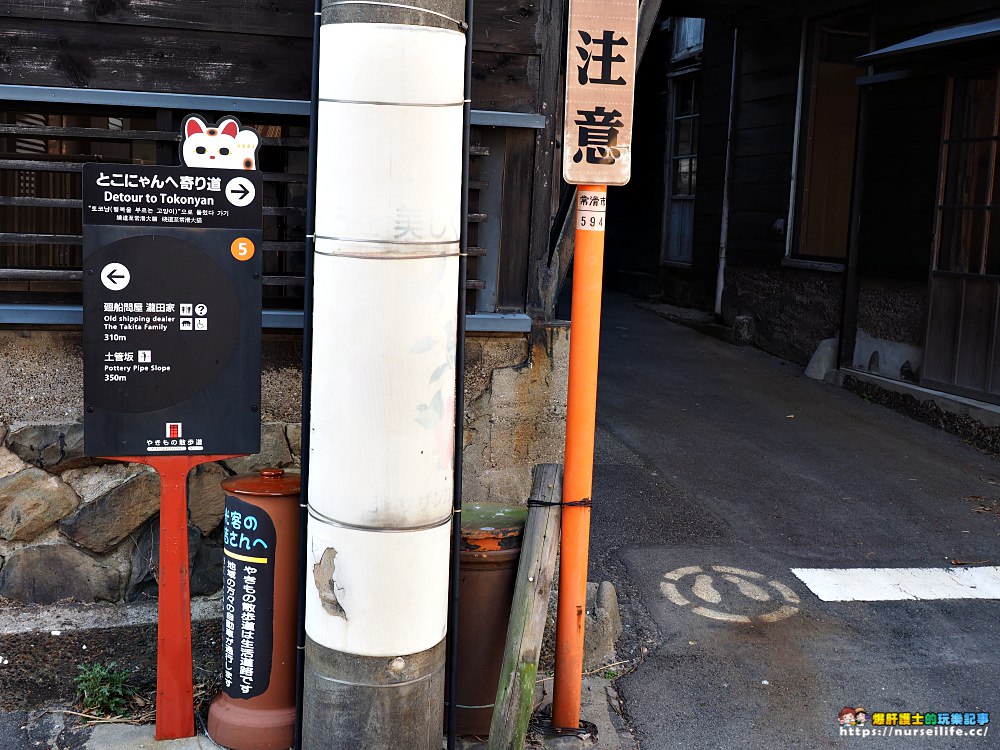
(223, 146)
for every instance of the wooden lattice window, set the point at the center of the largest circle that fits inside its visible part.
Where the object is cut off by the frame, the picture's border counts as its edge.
(967, 241)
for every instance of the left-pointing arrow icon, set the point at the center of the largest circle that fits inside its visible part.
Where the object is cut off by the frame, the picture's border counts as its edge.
(115, 277)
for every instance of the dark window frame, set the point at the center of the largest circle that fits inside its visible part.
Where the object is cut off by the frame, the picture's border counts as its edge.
(684, 149)
(951, 204)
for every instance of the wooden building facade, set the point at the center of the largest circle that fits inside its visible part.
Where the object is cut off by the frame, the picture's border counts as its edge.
(110, 81)
(842, 162)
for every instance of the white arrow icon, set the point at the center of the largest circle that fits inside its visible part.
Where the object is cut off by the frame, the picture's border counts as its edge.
(115, 276)
(240, 191)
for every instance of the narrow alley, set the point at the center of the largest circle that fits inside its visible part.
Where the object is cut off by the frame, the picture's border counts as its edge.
(719, 471)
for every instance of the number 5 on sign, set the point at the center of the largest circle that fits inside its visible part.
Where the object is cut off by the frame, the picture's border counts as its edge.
(242, 248)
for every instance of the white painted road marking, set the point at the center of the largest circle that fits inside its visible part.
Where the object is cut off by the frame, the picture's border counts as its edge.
(896, 584)
(704, 588)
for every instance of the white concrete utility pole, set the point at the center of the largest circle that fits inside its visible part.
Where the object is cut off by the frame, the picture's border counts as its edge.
(380, 482)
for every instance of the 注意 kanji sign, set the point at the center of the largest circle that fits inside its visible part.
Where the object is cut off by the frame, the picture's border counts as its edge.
(600, 78)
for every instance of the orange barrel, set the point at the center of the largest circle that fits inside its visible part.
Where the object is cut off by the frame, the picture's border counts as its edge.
(256, 708)
(491, 546)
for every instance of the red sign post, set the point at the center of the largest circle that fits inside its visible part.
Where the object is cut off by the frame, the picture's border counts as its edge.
(597, 152)
(174, 678)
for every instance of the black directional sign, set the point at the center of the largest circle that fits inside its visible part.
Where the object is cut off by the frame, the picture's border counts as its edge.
(172, 267)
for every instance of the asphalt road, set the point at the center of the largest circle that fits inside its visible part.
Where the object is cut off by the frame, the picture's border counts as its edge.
(723, 468)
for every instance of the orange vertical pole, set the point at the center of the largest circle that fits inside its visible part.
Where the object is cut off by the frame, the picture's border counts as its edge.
(581, 414)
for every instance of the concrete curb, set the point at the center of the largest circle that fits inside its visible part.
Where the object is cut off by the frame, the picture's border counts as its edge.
(52, 729)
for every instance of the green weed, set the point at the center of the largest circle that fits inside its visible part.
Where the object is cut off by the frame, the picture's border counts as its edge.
(103, 688)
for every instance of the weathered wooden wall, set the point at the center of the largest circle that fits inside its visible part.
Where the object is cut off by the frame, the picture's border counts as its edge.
(716, 76)
(253, 48)
(765, 119)
(794, 307)
(262, 49)
(903, 137)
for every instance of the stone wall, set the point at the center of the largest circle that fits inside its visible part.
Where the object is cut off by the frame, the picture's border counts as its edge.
(515, 411)
(793, 309)
(76, 527)
(893, 310)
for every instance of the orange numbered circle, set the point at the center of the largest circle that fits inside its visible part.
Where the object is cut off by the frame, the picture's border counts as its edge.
(242, 248)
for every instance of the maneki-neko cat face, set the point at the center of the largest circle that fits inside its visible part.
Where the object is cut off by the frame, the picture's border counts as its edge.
(222, 146)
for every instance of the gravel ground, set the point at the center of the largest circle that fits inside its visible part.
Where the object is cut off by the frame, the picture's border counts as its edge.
(38, 668)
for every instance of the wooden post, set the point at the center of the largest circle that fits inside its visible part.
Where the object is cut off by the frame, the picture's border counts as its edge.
(515, 693)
